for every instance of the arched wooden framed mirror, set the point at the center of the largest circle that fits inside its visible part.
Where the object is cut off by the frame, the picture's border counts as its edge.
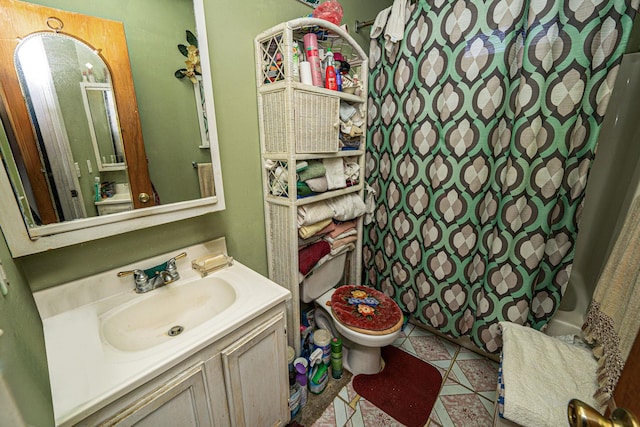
(171, 152)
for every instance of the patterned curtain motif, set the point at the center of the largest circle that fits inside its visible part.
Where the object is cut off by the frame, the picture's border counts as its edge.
(482, 128)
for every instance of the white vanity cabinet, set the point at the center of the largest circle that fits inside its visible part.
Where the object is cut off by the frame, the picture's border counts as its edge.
(241, 380)
(298, 123)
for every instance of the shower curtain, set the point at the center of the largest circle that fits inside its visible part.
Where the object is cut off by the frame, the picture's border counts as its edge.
(483, 124)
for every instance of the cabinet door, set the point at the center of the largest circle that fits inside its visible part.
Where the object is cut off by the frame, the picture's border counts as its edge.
(317, 122)
(256, 379)
(182, 401)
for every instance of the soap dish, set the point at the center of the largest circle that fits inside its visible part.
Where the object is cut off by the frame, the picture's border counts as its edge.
(207, 264)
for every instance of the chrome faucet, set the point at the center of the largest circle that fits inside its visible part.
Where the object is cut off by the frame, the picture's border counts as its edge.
(158, 276)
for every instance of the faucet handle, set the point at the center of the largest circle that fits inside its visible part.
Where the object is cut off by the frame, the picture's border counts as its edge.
(139, 276)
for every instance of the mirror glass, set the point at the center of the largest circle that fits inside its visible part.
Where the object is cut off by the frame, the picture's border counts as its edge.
(68, 92)
(81, 114)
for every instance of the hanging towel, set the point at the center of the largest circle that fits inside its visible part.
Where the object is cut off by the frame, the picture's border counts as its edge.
(334, 173)
(205, 179)
(309, 256)
(394, 31)
(379, 23)
(612, 320)
(314, 212)
(540, 374)
(307, 231)
(346, 207)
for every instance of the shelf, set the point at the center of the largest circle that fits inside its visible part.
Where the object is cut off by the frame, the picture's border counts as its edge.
(303, 122)
(281, 85)
(306, 156)
(285, 201)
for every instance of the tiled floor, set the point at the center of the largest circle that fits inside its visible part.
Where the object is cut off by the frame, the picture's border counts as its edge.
(467, 394)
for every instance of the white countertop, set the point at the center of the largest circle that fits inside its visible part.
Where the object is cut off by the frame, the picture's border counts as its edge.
(87, 373)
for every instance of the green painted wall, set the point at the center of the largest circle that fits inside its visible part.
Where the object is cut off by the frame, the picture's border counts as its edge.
(23, 363)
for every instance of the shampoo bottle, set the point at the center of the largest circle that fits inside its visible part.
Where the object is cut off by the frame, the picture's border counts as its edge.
(330, 73)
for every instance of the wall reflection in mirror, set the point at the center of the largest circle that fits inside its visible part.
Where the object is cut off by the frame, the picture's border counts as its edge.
(68, 91)
(67, 88)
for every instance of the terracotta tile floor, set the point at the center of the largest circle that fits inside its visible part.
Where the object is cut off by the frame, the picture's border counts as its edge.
(467, 394)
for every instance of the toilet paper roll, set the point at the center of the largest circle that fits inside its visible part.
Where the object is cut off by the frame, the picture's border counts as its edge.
(305, 73)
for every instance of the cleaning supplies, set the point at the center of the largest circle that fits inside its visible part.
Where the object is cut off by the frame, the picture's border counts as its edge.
(336, 358)
(318, 373)
(322, 340)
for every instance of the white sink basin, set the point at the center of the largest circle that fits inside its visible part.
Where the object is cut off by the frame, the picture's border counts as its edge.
(148, 320)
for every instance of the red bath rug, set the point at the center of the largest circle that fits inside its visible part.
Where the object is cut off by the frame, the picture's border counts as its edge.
(406, 388)
(366, 310)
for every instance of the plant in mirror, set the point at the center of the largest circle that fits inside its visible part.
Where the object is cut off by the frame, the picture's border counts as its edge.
(80, 106)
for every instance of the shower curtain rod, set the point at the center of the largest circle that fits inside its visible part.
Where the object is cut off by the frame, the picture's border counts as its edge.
(362, 24)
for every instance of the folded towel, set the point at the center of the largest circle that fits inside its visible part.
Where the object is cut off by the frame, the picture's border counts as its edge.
(308, 241)
(303, 189)
(341, 242)
(329, 228)
(394, 31)
(307, 231)
(334, 173)
(318, 185)
(345, 207)
(314, 212)
(313, 170)
(309, 256)
(341, 227)
(540, 374)
(351, 170)
(350, 232)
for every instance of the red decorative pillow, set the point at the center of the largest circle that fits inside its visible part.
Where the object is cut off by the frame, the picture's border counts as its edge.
(365, 308)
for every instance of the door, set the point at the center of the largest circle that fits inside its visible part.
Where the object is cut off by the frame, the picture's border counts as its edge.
(256, 377)
(627, 392)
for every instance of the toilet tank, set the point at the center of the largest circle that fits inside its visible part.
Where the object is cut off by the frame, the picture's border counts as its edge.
(323, 278)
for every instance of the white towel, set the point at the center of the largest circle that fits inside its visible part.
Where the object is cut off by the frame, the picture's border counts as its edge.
(347, 207)
(379, 23)
(314, 212)
(541, 374)
(205, 179)
(394, 31)
(334, 173)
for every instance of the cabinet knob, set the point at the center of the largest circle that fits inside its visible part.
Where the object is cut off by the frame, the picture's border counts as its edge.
(336, 125)
(143, 197)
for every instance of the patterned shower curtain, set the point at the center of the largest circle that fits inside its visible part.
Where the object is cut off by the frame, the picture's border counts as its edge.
(482, 128)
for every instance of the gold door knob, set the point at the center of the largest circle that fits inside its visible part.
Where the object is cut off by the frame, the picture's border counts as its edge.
(143, 198)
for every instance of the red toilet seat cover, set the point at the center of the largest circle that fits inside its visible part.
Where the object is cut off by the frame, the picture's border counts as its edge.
(366, 310)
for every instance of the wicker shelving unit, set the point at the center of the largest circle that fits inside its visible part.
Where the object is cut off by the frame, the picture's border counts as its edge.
(302, 122)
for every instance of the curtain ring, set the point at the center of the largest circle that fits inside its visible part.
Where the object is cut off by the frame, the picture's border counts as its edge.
(54, 24)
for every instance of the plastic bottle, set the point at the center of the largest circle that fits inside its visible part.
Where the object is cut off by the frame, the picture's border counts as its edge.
(330, 76)
(336, 358)
(296, 62)
(310, 41)
(96, 186)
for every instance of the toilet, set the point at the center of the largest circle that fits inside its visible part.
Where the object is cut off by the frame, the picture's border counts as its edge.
(361, 345)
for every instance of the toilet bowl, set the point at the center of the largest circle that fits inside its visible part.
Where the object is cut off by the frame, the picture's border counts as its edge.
(361, 347)
(361, 352)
